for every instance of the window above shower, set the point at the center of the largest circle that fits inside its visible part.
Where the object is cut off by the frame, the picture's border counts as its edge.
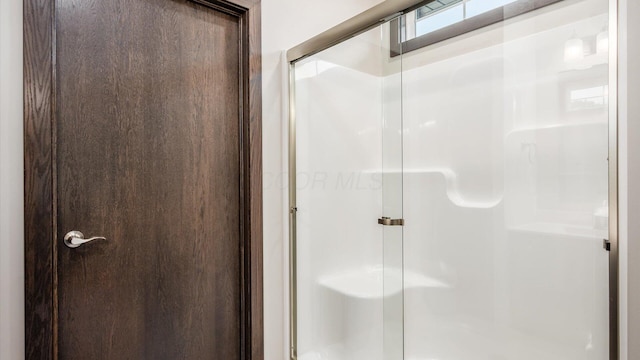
(442, 13)
(440, 20)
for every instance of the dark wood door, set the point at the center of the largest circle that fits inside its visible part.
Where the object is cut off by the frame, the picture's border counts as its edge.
(153, 149)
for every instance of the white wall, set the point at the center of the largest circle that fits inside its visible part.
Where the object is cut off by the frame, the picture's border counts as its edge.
(11, 218)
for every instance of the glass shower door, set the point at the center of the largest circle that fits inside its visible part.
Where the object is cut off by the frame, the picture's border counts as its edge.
(348, 122)
(505, 186)
(392, 198)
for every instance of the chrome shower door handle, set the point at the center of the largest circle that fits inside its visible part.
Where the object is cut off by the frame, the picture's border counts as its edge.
(73, 239)
(390, 222)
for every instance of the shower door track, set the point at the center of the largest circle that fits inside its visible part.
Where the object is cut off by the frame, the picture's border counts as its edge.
(390, 9)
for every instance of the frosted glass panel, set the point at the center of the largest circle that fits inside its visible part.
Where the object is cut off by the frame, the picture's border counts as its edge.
(505, 190)
(349, 151)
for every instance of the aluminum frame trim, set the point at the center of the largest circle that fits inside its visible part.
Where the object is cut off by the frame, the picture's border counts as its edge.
(614, 263)
(364, 21)
(293, 265)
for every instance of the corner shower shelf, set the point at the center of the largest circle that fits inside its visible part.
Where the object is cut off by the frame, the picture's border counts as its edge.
(368, 283)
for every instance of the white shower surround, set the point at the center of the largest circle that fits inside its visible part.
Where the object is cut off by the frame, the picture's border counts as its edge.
(483, 201)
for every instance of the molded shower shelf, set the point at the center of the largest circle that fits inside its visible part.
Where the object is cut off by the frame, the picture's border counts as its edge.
(368, 283)
(451, 180)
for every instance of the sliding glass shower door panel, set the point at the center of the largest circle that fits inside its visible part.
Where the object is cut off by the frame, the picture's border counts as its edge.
(349, 265)
(505, 190)
(392, 175)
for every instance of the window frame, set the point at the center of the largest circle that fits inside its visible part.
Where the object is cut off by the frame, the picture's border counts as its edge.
(479, 21)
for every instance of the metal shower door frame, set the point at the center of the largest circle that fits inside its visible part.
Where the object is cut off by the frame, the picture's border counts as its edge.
(380, 14)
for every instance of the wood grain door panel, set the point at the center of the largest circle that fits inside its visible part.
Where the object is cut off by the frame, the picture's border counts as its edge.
(148, 156)
(154, 126)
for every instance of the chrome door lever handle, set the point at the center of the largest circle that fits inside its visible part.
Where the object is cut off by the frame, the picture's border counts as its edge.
(73, 239)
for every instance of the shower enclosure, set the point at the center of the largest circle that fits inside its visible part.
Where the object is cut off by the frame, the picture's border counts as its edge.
(453, 183)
